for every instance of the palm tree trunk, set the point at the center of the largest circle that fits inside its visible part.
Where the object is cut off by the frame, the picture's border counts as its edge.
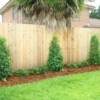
(69, 24)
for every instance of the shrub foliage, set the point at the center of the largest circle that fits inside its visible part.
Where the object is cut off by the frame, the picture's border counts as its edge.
(55, 59)
(94, 55)
(28, 72)
(78, 65)
(5, 60)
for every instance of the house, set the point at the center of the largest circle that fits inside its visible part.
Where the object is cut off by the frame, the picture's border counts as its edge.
(83, 19)
(95, 23)
(11, 15)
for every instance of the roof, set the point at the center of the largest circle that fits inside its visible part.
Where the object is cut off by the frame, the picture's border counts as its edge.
(6, 6)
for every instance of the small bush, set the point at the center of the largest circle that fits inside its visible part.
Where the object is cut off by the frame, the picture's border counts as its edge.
(5, 60)
(74, 65)
(39, 71)
(28, 72)
(55, 60)
(21, 73)
(78, 65)
(94, 54)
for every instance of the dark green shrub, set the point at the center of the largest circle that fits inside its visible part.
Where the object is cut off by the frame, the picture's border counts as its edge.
(5, 60)
(55, 60)
(94, 54)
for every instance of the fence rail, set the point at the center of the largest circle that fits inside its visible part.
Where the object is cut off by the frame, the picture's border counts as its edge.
(29, 44)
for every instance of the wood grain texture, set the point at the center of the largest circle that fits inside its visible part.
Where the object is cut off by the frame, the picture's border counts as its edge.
(29, 44)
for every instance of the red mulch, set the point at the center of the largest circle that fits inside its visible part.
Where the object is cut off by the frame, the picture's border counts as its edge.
(67, 71)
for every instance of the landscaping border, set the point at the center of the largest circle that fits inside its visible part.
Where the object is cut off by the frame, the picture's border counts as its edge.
(33, 78)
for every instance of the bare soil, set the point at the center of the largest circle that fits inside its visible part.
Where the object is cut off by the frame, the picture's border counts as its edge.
(33, 78)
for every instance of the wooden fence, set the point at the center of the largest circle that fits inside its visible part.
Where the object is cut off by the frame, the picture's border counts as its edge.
(29, 44)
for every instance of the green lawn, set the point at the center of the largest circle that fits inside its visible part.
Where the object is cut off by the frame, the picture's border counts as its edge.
(74, 87)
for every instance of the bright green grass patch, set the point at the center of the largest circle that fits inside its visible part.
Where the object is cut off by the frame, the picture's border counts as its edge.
(74, 87)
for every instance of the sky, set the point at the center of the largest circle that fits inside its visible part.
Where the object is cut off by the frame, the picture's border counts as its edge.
(2, 2)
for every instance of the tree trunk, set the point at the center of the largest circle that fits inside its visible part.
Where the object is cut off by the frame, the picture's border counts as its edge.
(69, 24)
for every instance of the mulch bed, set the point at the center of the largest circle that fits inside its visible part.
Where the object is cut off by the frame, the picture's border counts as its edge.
(67, 71)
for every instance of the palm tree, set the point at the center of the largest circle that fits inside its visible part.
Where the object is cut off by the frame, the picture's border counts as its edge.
(58, 9)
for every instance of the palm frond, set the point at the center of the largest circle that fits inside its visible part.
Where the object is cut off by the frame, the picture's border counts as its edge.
(64, 8)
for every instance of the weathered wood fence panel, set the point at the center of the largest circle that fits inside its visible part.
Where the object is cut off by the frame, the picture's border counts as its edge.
(29, 44)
